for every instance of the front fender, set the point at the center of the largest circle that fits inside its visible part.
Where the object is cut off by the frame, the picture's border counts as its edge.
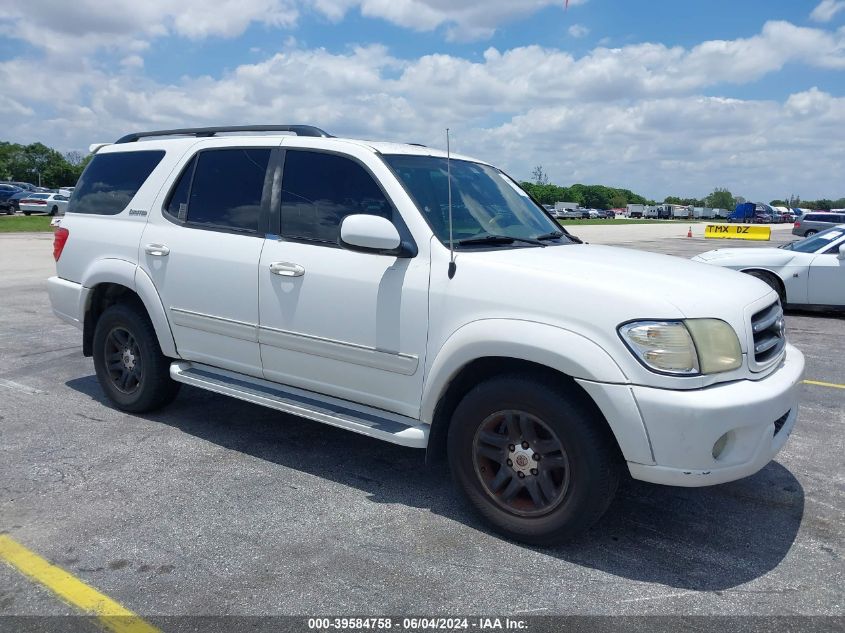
(554, 347)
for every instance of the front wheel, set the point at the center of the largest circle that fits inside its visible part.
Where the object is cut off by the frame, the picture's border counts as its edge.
(533, 459)
(130, 366)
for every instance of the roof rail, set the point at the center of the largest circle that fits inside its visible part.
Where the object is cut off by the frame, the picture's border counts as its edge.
(299, 130)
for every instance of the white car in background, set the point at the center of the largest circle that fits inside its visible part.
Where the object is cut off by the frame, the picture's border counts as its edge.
(49, 203)
(806, 272)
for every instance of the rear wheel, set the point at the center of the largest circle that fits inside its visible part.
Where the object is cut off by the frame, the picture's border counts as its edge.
(26, 213)
(130, 366)
(532, 459)
(54, 210)
(773, 282)
(810, 232)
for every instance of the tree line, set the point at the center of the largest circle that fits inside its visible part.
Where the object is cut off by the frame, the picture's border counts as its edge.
(603, 197)
(40, 165)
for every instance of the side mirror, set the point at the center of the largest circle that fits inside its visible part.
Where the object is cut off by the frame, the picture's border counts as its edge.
(841, 251)
(369, 233)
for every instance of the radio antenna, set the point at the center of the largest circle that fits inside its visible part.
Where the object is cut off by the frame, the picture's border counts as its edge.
(452, 265)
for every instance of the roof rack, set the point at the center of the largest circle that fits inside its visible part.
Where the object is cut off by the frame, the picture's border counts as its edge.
(299, 130)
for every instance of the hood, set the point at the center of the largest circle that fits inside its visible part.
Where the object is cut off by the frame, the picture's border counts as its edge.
(742, 257)
(646, 283)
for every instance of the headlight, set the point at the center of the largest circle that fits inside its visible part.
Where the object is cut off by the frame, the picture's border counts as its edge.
(665, 346)
(716, 343)
(684, 348)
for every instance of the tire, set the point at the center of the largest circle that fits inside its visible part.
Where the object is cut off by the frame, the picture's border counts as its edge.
(772, 281)
(810, 232)
(574, 478)
(54, 211)
(26, 213)
(124, 344)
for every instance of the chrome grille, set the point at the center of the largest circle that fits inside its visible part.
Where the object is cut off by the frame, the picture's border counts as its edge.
(769, 336)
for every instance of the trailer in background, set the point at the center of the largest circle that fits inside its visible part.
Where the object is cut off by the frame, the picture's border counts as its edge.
(680, 212)
(565, 206)
(636, 210)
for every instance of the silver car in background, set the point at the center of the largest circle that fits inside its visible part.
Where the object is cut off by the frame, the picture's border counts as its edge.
(812, 223)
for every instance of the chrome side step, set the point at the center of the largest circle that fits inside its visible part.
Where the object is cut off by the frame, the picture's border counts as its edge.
(377, 423)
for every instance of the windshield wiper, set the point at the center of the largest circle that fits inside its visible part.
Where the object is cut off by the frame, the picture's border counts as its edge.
(550, 236)
(498, 239)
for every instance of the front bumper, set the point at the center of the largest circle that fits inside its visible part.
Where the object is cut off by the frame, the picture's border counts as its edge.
(684, 426)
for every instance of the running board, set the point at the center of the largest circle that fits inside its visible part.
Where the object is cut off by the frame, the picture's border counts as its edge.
(362, 419)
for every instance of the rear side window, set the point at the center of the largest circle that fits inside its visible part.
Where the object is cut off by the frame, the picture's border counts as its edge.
(226, 189)
(177, 203)
(319, 190)
(110, 181)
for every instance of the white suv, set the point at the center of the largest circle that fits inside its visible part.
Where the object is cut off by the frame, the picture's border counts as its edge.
(313, 275)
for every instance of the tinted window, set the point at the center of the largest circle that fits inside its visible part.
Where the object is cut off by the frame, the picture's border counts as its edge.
(177, 204)
(227, 188)
(319, 190)
(110, 181)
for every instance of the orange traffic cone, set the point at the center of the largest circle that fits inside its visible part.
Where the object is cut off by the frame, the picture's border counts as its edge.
(689, 233)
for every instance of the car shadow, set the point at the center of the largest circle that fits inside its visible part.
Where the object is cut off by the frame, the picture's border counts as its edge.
(836, 314)
(705, 539)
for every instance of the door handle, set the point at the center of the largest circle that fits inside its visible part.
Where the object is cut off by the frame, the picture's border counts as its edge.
(157, 250)
(287, 269)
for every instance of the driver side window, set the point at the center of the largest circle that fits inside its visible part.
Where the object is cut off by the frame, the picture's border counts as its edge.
(320, 189)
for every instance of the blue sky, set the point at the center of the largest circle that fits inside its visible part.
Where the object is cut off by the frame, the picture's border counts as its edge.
(663, 97)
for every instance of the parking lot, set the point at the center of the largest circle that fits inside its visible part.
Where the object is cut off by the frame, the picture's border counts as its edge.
(216, 506)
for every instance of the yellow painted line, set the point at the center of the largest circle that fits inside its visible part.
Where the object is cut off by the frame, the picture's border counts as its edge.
(818, 383)
(76, 593)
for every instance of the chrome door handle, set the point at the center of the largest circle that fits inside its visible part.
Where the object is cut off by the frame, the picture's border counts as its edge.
(287, 269)
(157, 250)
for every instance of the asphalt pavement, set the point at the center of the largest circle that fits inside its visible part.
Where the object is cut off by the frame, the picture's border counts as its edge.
(216, 506)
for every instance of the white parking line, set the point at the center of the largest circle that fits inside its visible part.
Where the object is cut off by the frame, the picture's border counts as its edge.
(16, 386)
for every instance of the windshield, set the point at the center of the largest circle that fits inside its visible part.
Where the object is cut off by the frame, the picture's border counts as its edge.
(817, 242)
(485, 203)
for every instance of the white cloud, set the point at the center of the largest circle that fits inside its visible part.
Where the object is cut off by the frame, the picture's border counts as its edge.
(578, 30)
(82, 26)
(632, 116)
(826, 10)
(132, 61)
(464, 19)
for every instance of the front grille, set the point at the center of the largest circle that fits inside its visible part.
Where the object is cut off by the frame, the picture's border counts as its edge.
(781, 421)
(768, 332)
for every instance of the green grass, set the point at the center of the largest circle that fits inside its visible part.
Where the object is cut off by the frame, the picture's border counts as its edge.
(23, 224)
